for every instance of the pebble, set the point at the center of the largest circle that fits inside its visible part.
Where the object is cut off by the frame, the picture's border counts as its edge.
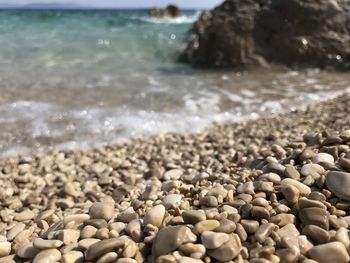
(84, 244)
(73, 257)
(212, 240)
(288, 230)
(291, 172)
(206, 225)
(303, 189)
(193, 216)
(316, 234)
(27, 251)
(41, 244)
(250, 226)
(14, 231)
(312, 169)
(102, 211)
(323, 158)
(170, 238)
(5, 248)
(103, 247)
(69, 236)
(330, 252)
(154, 216)
(339, 184)
(108, 258)
(48, 256)
(172, 201)
(228, 251)
(314, 216)
(24, 215)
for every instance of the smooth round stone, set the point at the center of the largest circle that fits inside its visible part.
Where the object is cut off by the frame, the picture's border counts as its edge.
(103, 247)
(303, 189)
(228, 251)
(345, 163)
(189, 249)
(264, 231)
(314, 216)
(73, 257)
(193, 216)
(41, 244)
(108, 258)
(323, 158)
(330, 252)
(86, 243)
(88, 232)
(69, 236)
(312, 169)
(288, 230)
(189, 260)
(206, 225)
(126, 260)
(173, 174)
(5, 249)
(316, 234)
(8, 259)
(24, 215)
(339, 184)
(102, 211)
(209, 201)
(154, 216)
(14, 231)
(291, 172)
(212, 240)
(226, 226)
(77, 219)
(218, 191)
(172, 201)
(170, 238)
(27, 251)
(45, 214)
(342, 235)
(291, 193)
(250, 226)
(304, 203)
(48, 256)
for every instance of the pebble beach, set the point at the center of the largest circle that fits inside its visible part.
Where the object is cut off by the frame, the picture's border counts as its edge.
(275, 189)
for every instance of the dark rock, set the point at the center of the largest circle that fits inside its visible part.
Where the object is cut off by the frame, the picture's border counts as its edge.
(288, 32)
(169, 11)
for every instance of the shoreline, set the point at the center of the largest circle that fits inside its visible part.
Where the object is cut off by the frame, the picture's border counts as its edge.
(238, 191)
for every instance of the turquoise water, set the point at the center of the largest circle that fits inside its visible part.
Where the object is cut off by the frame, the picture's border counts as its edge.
(76, 79)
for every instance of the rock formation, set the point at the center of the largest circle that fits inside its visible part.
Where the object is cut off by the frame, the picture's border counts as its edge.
(169, 11)
(288, 32)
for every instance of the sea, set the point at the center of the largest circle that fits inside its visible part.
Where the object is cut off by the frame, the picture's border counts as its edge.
(79, 79)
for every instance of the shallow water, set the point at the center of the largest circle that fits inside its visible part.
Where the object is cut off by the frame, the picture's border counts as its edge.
(76, 79)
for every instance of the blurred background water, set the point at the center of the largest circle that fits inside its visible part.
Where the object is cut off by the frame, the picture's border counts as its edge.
(78, 79)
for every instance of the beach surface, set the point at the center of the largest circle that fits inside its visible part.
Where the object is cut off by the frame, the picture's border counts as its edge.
(274, 189)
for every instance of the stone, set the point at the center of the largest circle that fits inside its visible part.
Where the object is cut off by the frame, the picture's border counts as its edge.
(69, 236)
(312, 169)
(14, 231)
(288, 230)
(154, 216)
(48, 256)
(264, 231)
(41, 244)
(103, 247)
(342, 236)
(314, 216)
(316, 234)
(339, 184)
(330, 252)
(73, 257)
(24, 215)
(77, 219)
(108, 258)
(228, 251)
(291, 193)
(206, 225)
(84, 244)
(250, 226)
(102, 211)
(193, 216)
(5, 248)
(27, 251)
(126, 260)
(212, 240)
(323, 158)
(291, 172)
(172, 200)
(88, 232)
(303, 189)
(170, 238)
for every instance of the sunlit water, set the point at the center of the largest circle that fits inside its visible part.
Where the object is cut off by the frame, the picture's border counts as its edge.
(77, 79)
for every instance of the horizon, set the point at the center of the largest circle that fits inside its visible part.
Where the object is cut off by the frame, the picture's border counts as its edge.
(109, 4)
